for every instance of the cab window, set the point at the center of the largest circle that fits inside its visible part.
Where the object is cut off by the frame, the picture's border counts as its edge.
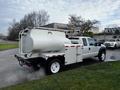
(74, 41)
(91, 41)
(84, 41)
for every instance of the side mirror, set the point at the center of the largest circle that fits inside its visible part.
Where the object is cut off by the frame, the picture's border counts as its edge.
(97, 44)
(91, 44)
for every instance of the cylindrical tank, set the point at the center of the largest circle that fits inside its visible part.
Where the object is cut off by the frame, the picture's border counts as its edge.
(43, 41)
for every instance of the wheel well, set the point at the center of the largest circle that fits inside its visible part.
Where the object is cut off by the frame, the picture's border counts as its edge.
(61, 58)
(102, 50)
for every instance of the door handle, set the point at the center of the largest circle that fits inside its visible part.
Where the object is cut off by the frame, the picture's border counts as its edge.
(89, 48)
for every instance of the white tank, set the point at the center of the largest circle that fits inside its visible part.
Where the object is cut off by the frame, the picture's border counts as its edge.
(42, 41)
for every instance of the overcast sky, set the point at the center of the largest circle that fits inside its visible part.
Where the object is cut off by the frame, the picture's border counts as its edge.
(106, 11)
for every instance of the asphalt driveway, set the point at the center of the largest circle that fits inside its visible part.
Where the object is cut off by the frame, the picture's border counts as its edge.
(11, 73)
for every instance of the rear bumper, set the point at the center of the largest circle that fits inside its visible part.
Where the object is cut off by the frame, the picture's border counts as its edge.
(22, 61)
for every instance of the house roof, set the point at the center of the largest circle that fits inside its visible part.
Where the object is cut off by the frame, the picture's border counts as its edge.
(57, 25)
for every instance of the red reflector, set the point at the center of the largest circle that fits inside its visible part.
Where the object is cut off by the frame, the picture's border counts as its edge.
(72, 46)
(78, 46)
(66, 46)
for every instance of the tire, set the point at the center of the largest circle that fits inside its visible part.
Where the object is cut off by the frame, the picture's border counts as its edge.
(54, 66)
(102, 56)
(115, 46)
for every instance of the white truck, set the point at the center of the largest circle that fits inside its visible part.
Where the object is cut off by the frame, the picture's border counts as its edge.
(50, 48)
(112, 43)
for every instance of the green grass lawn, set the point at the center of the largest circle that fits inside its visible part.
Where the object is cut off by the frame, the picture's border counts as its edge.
(100, 76)
(6, 46)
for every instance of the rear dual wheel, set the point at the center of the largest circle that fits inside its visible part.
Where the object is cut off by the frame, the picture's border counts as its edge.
(54, 66)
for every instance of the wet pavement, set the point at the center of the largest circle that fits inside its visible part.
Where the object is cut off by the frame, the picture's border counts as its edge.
(113, 54)
(11, 73)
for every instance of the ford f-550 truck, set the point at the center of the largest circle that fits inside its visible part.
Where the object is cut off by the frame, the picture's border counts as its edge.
(50, 48)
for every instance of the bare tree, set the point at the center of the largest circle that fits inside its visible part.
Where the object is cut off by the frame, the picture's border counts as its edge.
(13, 30)
(34, 19)
(83, 26)
(74, 22)
(42, 18)
(87, 26)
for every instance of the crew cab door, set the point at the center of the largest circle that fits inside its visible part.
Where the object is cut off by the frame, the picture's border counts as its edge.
(93, 48)
(85, 48)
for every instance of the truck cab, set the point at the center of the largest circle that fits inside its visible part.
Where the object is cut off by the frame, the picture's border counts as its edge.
(89, 46)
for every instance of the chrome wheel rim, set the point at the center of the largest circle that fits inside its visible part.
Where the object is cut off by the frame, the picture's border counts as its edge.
(55, 67)
(103, 56)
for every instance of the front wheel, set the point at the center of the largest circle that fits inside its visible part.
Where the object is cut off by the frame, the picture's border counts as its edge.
(115, 46)
(54, 66)
(102, 56)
